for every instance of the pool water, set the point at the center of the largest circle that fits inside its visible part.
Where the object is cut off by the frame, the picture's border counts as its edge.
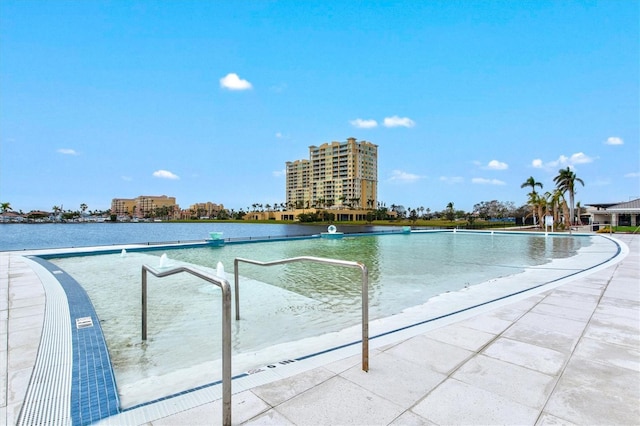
(404, 269)
(284, 304)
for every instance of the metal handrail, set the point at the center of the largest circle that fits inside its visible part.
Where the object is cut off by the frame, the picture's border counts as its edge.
(226, 326)
(334, 262)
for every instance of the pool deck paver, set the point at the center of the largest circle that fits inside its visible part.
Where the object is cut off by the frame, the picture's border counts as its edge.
(22, 315)
(569, 355)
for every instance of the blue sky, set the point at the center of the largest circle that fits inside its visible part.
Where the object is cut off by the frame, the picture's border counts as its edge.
(206, 101)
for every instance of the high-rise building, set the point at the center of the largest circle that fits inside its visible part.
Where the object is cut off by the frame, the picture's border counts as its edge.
(337, 175)
(298, 184)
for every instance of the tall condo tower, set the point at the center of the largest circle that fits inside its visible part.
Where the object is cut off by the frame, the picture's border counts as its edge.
(337, 175)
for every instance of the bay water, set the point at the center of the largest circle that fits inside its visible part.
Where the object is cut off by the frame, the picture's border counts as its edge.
(15, 236)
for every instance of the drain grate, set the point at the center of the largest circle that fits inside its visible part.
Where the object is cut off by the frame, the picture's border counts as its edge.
(84, 322)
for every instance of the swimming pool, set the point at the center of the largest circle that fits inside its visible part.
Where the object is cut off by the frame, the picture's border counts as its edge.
(299, 309)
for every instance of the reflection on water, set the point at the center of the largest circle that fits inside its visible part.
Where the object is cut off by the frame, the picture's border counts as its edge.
(287, 302)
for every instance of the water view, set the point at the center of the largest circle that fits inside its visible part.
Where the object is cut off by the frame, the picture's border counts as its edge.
(52, 235)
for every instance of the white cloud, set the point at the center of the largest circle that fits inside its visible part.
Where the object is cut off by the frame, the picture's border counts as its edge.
(632, 175)
(400, 176)
(497, 165)
(67, 151)
(232, 81)
(483, 181)
(580, 158)
(451, 179)
(614, 140)
(278, 173)
(363, 124)
(127, 178)
(563, 161)
(165, 174)
(396, 121)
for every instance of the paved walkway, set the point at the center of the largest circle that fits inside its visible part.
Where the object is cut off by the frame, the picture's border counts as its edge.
(570, 355)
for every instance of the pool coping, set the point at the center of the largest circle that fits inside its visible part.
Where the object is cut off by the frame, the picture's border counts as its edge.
(73, 362)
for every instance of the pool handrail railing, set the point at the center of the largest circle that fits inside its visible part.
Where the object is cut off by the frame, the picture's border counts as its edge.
(226, 325)
(333, 262)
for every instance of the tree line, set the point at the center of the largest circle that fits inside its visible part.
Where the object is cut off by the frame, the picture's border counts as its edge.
(558, 203)
(554, 203)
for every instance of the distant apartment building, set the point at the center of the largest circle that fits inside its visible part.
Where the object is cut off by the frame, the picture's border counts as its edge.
(337, 175)
(145, 206)
(205, 210)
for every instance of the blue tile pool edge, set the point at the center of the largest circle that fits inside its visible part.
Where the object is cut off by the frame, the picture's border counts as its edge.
(94, 394)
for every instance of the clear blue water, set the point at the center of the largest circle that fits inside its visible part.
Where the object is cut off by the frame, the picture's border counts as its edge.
(51, 235)
(404, 269)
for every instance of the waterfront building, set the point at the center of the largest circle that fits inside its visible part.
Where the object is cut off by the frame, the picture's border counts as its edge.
(206, 210)
(616, 214)
(145, 206)
(123, 206)
(338, 175)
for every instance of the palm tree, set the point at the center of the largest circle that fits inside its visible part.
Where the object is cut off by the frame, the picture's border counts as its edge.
(546, 207)
(537, 203)
(450, 213)
(533, 194)
(556, 200)
(579, 212)
(565, 210)
(83, 208)
(532, 183)
(5, 207)
(566, 182)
